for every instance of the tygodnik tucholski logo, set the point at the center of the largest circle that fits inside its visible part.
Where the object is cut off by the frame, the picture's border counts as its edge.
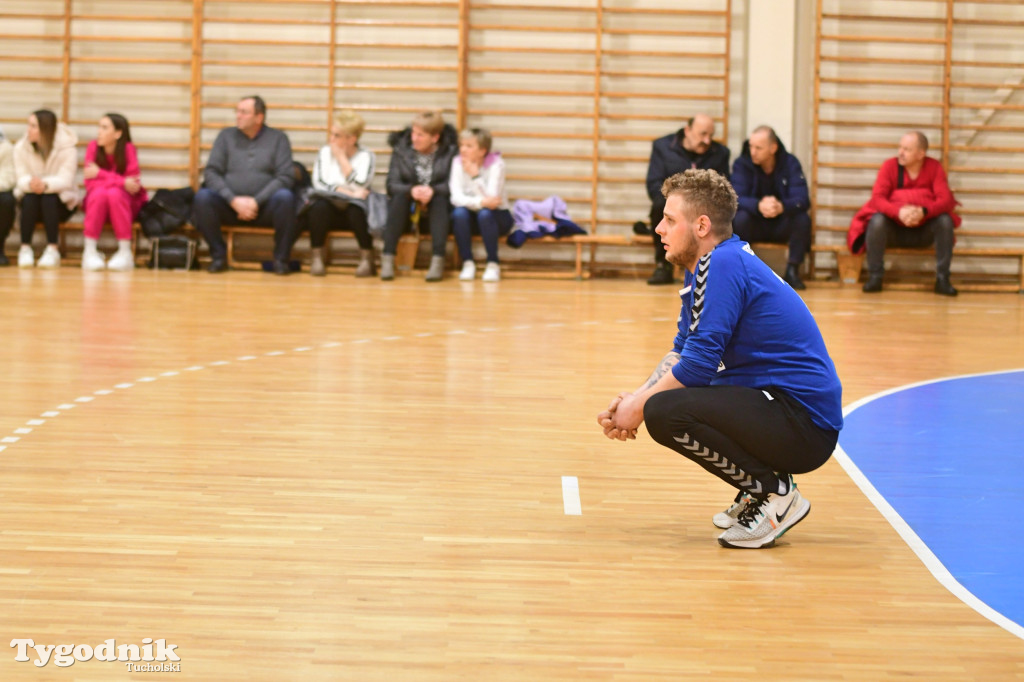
(151, 656)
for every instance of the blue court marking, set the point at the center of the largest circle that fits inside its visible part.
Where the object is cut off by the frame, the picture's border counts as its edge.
(944, 462)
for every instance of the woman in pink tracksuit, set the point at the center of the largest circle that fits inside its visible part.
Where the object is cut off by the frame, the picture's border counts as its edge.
(114, 193)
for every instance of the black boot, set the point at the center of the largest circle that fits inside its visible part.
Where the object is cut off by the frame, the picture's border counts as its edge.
(792, 277)
(943, 286)
(873, 285)
(663, 274)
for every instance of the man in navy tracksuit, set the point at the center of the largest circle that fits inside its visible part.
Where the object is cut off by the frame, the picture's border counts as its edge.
(748, 391)
(774, 203)
(690, 147)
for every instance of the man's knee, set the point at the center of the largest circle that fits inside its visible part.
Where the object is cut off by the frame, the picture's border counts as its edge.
(742, 223)
(660, 410)
(801, 222)
(206, 198)
(281, 198)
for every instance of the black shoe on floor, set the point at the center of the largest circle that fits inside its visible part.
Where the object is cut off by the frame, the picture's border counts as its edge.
(873, 285)
(663, 274)
(4, 260)
(218, 265)
(281, 267)
(943, 286)
(792, 277)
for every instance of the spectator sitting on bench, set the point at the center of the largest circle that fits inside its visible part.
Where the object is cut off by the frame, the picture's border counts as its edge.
(113, 191)
(344, 169)
(911, 205)
(7, 180)
(774, 203)
(689, 147)
(248, 181)
(479, 201)
(421, 162)
(45, 163)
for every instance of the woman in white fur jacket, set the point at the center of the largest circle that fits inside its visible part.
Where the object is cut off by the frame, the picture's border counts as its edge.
(7, 178)
(45, 163)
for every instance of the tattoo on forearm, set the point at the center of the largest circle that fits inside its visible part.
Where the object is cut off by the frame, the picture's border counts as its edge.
(666, 364)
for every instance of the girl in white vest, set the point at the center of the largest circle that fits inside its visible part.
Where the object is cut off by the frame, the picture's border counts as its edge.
(45, 162)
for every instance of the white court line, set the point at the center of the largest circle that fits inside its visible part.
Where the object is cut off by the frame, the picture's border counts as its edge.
(23, 430)
(36, 422)
(103, 391)
(194, 368)
(571, 496)
(9, 439)
(171, 373)
(146, 380)
(219, 363)
(65, 406)
(247, 357)
(274, 353)
(84, 399)
(51, 413)
(916, 544)
(124, 385)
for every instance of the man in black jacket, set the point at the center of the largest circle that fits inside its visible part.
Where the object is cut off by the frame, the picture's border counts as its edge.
(774, 204)
(421, 161)
(689, 147)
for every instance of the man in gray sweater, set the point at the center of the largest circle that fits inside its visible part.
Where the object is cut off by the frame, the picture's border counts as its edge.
(248, 181)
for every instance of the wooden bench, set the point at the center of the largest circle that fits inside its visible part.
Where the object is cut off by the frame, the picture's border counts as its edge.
(850, 266)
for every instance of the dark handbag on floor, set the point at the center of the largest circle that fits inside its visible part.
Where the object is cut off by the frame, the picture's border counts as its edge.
(174, 252)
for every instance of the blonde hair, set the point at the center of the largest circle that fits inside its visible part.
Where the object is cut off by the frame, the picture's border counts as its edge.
(350, 122)
(481, 135)
(432, 122)
(705, 192)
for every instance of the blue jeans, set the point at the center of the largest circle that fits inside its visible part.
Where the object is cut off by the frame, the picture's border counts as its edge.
(490, 224)
(210, 210)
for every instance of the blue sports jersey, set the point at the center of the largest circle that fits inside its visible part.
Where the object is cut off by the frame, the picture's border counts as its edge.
(741, 325)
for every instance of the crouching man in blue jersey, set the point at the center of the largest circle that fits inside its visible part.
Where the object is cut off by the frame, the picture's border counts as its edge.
(749, 391)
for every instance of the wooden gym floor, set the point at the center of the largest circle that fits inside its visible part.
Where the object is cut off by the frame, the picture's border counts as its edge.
(337, 479)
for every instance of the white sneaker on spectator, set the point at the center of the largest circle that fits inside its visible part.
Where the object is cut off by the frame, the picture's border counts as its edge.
(50, 257)
(26, 258)
(93, 260)
(468, 271)
(492, 273)
(122, 260)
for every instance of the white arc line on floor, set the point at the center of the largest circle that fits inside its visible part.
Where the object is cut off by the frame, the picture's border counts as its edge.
(571, 496)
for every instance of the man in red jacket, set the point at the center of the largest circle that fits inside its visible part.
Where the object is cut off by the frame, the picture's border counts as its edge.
(912, 206)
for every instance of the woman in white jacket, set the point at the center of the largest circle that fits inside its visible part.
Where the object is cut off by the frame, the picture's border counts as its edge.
(7, 178)
(343, 170)
(45, 162)
(479, 201)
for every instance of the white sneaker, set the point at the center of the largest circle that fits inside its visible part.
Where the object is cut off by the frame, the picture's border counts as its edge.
(727, 519)
(26, 258)
(122, 260)
(762, 522)
(468, 271)
(93, 260)
(50, 257)
(492, 273)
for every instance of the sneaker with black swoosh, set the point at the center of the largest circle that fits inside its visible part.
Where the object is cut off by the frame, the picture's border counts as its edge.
(762, 522)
